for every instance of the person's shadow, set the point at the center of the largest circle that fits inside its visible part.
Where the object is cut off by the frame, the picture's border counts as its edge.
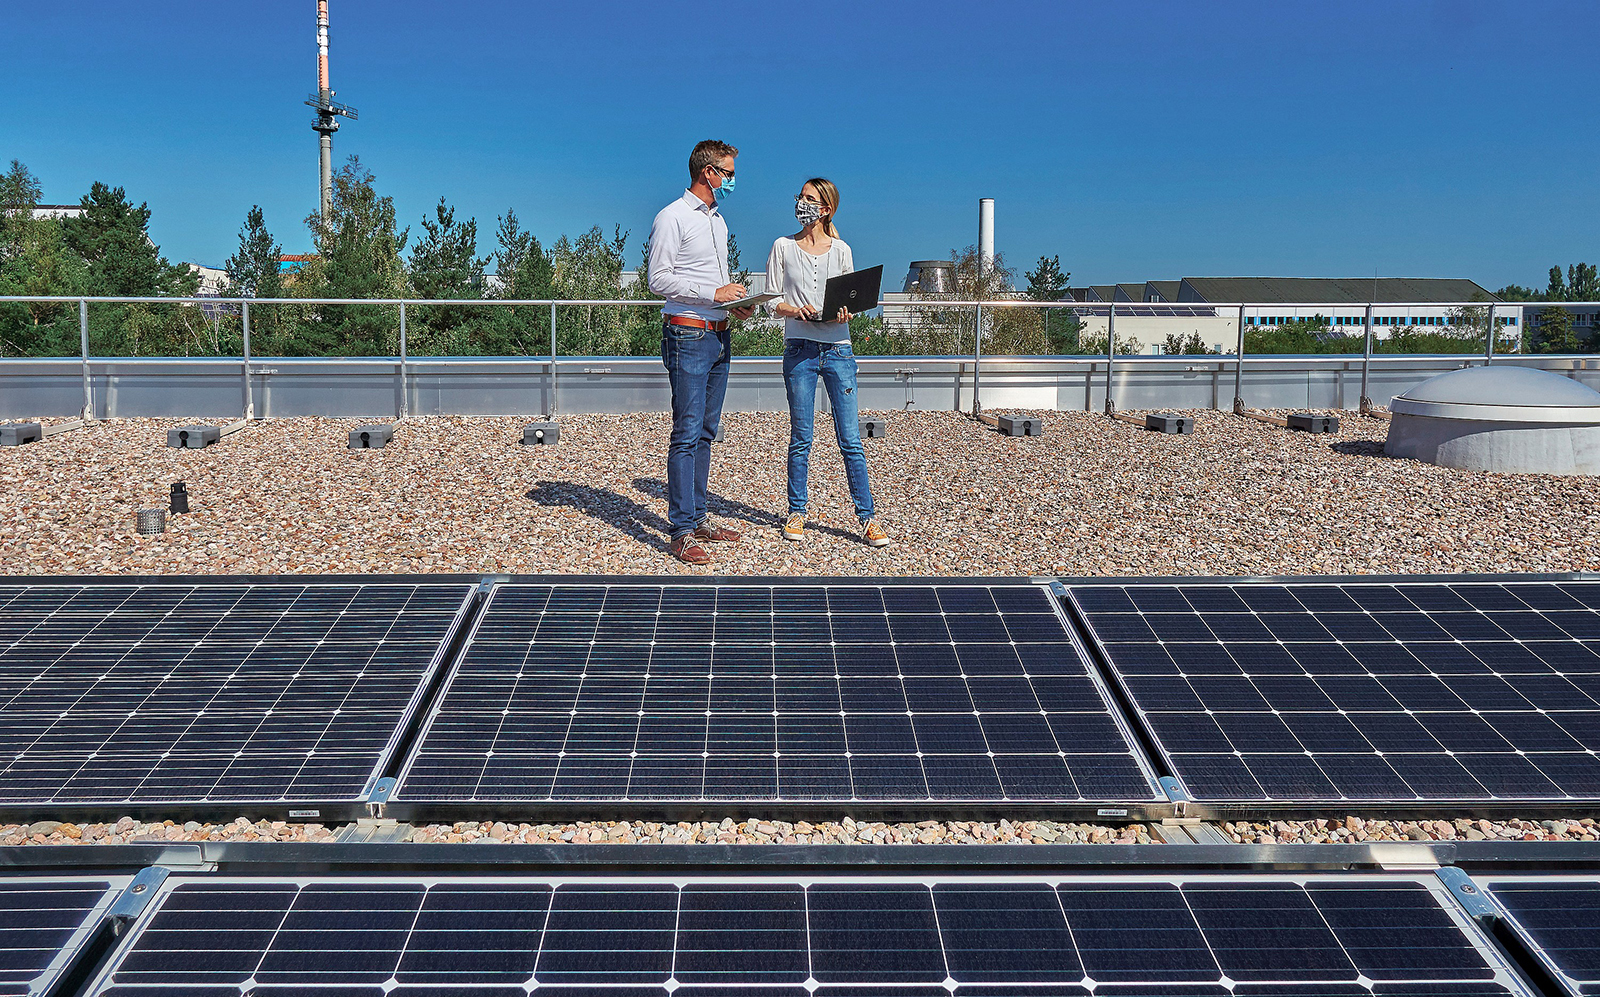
(607, 506)
(732, 509)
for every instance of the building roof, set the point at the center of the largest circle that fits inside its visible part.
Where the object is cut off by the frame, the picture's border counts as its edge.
(1130, 292)
(1102, 292)
(1161, 290)
(1331, 290)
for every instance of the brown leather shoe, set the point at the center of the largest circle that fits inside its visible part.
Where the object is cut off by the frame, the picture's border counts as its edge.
(688, 550)
(717, 534)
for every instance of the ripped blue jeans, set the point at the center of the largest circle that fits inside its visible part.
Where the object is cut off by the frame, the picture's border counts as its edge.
(803, 360)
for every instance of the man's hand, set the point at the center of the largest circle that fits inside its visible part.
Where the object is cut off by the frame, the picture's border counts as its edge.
(741, 313)
(729, 292)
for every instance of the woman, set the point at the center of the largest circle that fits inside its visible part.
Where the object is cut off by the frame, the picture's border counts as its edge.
(798, 268)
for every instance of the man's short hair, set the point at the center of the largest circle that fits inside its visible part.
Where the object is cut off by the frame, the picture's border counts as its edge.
(708, 153)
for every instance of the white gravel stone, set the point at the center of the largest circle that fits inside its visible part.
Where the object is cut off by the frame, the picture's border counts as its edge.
(1091, 496)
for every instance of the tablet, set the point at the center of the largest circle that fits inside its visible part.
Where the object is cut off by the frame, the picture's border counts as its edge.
(749, 302)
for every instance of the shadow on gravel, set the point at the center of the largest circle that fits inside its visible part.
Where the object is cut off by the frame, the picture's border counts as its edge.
(1360, 448)
(716, 505)
(607, 506)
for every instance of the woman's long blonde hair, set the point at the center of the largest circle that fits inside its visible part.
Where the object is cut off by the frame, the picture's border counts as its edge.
(830, 202)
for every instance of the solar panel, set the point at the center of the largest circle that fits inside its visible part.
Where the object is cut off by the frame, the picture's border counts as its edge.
(1465, 691)
(213, 692)
(759, 692)
(1558, 918)
(44, 921)
(1314, 936)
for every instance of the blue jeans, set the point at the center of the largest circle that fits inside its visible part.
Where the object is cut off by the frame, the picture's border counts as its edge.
(803, 360)
(697, 367)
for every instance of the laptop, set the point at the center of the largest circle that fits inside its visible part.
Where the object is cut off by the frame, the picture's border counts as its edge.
(857, 291)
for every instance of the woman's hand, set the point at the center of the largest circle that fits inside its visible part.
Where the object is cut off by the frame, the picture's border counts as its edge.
(785, 310)
(844, 314)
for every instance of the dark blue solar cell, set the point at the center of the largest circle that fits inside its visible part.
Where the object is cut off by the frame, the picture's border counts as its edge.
(976, 629)
(741, 934)
(469, 933)
(1189, 732)
(1504, 656)
(1434, 598)
(1066, 693)
(1584, 625)
(922, 629)
(1005, 934)
(1238, 627)
(1258, 731)
(871, 695)
(899, 599)
(1532, 732)
(1017, 733)
(1528, 625)
(1290, 776)
(1224, 692)
(938, 695)
(961, 599)
(1364, 777)
(1268, 932)
(1490, 598)
(1357, 692)
(1179, 627)
(1439, 775)
(591, 777)
(805, 629)
(857, 660)
(1270, 599)
(342, 933)
(666, 777)
(927, 659)
(741, 734)
(888, 777)
(1508, 776)
(1158, 599)
(1211, 658)
(1039, 777)
(1464, 732)
(814, 777)
(1353, 626)
(1327, 659)
(1103, 599)
(736, 777)
(1380, 598)
(1421, 692)
(1042, 627)
(1577, 774)
(1295, 627)
(615, 935)
(1160, 693)
(810, 734)
(1213, 599)
(1141, 659)
(800, 601)
(1217, 777)
(961, 777)
(879, 733)
(861, 629)
(874, 934)
(855, 600)
(1292, 693)
(1117, 627)
(1003, 659)
(1368, 917)
(1003, 694)
(1141, 932)
(1325, 599)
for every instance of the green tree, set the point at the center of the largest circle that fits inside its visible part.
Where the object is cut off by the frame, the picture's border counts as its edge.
(1048, 282)
(253, 268)
(444, 264)
(113, 238)
(1516, 292)
(523, 269)
(19, 195)
(1180, 345)
(1582, 283)
(35, 261)
(358, 255)
(1555, 333)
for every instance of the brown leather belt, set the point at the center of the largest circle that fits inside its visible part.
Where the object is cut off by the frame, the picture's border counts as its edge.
(697, 323)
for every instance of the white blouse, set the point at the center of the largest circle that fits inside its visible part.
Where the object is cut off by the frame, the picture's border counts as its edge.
(802, 279)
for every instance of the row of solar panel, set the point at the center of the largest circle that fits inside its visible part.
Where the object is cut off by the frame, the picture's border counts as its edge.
(302, 694)
(1326, 934)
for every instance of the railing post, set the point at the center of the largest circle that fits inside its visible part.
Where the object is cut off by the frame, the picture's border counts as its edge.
(405, 407)
(1111, 353)
(83, 348)
(1488, 344)
(1366, 363)
(977, 359)
(249, 393)
(1238, 368)
(553, 407)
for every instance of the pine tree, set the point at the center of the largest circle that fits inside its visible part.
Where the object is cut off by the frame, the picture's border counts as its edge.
(1556, 333)
(253, 270)
(112, 237)
(357, 256)
(19, 195)
(444, 263)
(1048, 282)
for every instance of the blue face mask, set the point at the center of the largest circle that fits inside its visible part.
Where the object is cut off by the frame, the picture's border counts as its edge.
(726, 188)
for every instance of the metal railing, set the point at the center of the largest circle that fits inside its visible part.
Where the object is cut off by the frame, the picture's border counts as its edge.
(1491, 312)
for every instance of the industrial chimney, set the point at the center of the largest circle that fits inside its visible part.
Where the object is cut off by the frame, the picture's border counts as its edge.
(328, 112)
(985, 234)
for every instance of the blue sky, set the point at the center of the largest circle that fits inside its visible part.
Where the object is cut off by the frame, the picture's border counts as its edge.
(1135, 140)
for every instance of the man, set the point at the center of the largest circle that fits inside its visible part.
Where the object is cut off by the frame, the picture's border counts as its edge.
(689, 267)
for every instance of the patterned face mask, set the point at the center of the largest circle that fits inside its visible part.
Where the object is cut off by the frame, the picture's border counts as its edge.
(807, 211)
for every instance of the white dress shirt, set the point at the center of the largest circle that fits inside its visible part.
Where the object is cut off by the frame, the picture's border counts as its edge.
(802, 279)
(689, 257)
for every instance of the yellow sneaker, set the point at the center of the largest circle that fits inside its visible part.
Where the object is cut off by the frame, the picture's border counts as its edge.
(794, 527)
(873, 534)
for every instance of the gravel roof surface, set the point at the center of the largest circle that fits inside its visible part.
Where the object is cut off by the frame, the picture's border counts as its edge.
(1091, 496)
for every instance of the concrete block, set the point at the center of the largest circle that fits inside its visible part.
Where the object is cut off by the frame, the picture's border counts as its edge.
(541, 434)
(193, 437)
(1018, 425)
(371, 437)
(1305, 422)
(17, 433)
(717, 436)
(873, 429)
(1166, 422)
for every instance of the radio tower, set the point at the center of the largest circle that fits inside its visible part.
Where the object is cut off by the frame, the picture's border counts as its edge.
(328, 111)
